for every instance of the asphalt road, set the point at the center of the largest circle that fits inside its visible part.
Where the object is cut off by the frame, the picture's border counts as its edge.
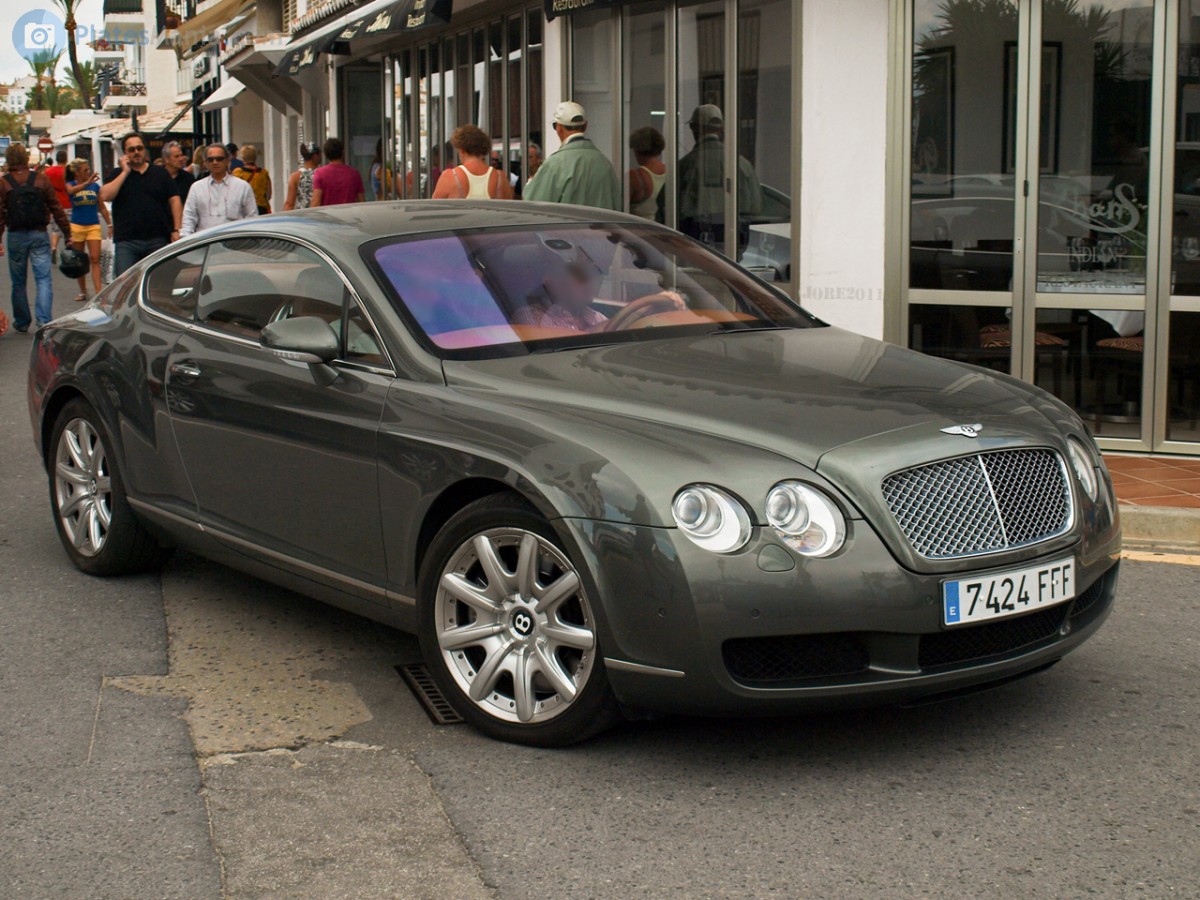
(201, 734)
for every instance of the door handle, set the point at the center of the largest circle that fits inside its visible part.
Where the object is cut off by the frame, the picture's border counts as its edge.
(185, 370)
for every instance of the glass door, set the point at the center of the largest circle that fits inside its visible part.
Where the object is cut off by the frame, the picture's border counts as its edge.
(1094, 130)
(967, 69)
(1035, 228)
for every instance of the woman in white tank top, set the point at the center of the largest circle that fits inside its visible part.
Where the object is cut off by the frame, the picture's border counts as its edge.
(646, 182)
(473, 178)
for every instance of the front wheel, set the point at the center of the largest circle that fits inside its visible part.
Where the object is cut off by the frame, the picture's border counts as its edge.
(97, 527)
(508, 632)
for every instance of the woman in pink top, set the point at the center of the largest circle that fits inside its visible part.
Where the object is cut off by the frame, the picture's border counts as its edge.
(335, 182)
(473, 178)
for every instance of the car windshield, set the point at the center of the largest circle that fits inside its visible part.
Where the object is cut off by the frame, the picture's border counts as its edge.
(491, 292)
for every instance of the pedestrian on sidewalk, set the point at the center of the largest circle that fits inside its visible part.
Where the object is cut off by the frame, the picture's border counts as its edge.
(578, 171)
(474, 178)
(28, 202)
(335, 182)
(257, 177)
(58, 174)
(145, 202)
(219, 198)
(86, 210)
(300, 182)
(176, 162)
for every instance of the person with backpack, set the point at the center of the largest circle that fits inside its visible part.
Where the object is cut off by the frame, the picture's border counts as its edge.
(28, 201)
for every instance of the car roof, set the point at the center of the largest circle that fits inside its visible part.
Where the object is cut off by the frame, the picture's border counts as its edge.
(348, 226)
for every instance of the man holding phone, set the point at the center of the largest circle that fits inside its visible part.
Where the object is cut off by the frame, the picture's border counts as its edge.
(146, 209)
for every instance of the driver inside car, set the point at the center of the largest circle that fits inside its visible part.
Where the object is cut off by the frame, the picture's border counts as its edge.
(568, 289)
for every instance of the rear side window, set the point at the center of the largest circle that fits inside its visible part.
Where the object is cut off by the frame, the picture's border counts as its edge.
(171, 286)
(251, 282)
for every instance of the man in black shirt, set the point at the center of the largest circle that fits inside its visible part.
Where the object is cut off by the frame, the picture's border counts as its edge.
(146, 211)
(176, 162)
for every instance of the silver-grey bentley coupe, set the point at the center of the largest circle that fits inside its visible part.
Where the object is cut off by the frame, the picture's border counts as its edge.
(596, 467)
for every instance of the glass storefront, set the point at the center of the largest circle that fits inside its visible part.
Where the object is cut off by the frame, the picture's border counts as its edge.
(1048, 232)
(488, 74)
(717, 167)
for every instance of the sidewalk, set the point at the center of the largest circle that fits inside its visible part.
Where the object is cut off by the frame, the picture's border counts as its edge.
(1159, 498)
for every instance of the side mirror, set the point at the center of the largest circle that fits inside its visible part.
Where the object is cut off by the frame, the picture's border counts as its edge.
(305, 339)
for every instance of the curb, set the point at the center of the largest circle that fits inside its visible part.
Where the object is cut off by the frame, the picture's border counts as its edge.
(1160, 527)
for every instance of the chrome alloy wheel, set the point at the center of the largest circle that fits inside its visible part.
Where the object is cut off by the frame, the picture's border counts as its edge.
(83, 487)
(514, 627)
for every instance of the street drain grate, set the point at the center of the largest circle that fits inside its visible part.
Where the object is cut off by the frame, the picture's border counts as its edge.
(419, 681)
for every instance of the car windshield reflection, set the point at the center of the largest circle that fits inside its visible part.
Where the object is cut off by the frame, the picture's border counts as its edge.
(484, 293)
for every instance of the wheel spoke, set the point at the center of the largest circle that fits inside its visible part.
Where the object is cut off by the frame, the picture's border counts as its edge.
(79, 455)
(527, 565)
(95, 530)
(481, 599)
(468, 635)
(103, 484)
(572, 636)
(523, 687)
(73, 504)
(104, 514)
(83, 527)
(71, 474)
(499, 580)
(565, 586)
(489, 672)
(553, 672)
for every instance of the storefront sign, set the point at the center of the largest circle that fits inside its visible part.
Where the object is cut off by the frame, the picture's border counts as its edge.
(555, 8)
(395, 18)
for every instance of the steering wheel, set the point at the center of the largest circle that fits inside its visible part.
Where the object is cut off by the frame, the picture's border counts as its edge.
(629, 315)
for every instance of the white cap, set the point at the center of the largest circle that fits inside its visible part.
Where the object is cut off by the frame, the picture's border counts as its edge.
(706, 115)
(570, 114)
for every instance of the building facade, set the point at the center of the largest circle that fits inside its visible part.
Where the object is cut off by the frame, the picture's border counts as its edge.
(1009, 183)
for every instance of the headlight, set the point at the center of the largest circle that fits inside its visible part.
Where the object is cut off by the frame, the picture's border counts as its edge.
(711, 518)
(808, 521)
(1084, 468)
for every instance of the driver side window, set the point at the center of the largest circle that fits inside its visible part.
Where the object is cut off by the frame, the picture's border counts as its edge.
(251, 282)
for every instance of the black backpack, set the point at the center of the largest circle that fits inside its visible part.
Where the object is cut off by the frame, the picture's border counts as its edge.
(27, 209)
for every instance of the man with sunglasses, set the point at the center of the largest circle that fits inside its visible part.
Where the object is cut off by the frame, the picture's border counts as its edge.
(146, 209)
(219, 198)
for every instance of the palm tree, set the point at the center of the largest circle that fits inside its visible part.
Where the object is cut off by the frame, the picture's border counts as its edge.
(38, 62)
(12, 125)
(82, 84)
(69, 8)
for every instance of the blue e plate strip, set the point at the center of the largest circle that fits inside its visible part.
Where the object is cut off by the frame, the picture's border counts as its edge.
(950, 598)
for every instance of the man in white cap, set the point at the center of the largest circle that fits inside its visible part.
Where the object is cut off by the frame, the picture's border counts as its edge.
(577, 172)
(702, 182)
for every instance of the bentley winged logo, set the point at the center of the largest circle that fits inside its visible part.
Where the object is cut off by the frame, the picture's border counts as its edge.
(971, 431)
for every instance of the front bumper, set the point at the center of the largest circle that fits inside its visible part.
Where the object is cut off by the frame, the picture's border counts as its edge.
(685, 630)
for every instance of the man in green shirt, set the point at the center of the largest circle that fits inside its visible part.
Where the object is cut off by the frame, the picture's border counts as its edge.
(577, 172)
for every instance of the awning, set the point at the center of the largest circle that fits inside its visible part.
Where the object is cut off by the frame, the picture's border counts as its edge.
(225, 95)
(220, 13)
(377, 19)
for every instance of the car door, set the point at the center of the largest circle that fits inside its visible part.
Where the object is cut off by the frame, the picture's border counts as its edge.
(282, 454)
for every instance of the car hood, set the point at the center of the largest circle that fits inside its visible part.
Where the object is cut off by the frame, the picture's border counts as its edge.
(800, 393)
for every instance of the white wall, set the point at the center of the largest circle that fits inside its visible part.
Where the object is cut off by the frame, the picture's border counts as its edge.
(843, 157)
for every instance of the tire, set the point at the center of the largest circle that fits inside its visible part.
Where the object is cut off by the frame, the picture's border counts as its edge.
(507, 631)
(95, 523)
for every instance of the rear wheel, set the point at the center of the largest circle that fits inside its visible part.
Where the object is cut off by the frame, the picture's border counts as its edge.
(94, 520)
(507, 630)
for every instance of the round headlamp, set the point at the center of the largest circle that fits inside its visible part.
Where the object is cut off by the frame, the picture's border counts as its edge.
(808, 521)
(1085, 469)
(711, 518)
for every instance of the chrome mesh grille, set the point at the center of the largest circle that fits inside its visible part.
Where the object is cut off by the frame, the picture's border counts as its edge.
(982, 503)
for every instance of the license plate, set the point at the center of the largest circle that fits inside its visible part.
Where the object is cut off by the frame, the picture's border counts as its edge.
(1008, 593)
